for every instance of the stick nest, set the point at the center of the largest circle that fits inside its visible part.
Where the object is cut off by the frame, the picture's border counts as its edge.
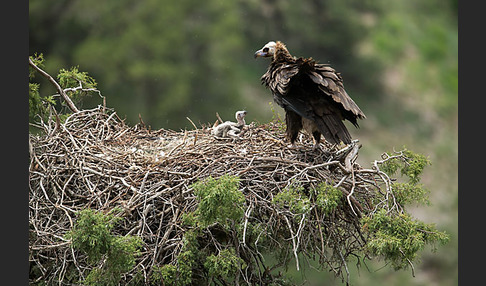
(94, 160)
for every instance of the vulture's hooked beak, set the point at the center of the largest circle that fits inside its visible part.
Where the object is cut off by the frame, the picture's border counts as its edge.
(261, 53)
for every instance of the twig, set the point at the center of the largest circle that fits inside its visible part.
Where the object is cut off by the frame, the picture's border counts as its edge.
(351, 193)
(194, 125)
(247, 216)
(294, 244)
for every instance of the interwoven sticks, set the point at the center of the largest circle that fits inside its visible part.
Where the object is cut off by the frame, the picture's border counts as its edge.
(94, 160)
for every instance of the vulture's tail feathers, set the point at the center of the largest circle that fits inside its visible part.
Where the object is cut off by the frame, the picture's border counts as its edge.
(333, 129)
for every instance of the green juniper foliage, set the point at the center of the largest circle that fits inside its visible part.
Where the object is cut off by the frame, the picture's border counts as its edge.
(394, 235)
(109, 254)
(407, 193)
(293, 199)
(220, 204)
(220, 201)
(414, 165)
(410, 164)
(92, 233)
(179, 274)
(398, 238)
(225, 264)
(327, 198)
(166, 273)
(73, 79)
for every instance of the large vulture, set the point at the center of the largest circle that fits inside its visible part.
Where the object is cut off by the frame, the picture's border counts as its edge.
(311, 94)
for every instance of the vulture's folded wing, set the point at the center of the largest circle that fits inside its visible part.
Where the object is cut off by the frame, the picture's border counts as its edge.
(331, 84)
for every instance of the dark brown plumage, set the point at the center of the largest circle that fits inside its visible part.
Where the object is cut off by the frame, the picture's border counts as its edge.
(311, 94)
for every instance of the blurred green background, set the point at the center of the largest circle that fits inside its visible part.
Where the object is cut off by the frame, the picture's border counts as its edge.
(168, 60)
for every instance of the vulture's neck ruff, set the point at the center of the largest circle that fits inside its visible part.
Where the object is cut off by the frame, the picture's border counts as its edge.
(281, 53)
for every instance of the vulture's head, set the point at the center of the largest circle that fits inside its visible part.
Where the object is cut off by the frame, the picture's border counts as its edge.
(267, 51)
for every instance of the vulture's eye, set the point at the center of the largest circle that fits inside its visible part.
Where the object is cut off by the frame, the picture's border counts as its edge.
(265, 50)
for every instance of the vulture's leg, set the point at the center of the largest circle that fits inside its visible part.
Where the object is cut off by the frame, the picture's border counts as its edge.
(317, 139)
(294, 124)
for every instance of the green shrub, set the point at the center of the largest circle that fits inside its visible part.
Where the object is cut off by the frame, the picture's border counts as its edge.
(406, 193)
(71, 79)
(410, 164)
(110, 255)
(327, 197)
(92, 233)
(293, 199)
(398, 238)
(220, 201)
(225, 264)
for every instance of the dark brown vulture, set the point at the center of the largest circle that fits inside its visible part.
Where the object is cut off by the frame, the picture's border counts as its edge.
(311, 94)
